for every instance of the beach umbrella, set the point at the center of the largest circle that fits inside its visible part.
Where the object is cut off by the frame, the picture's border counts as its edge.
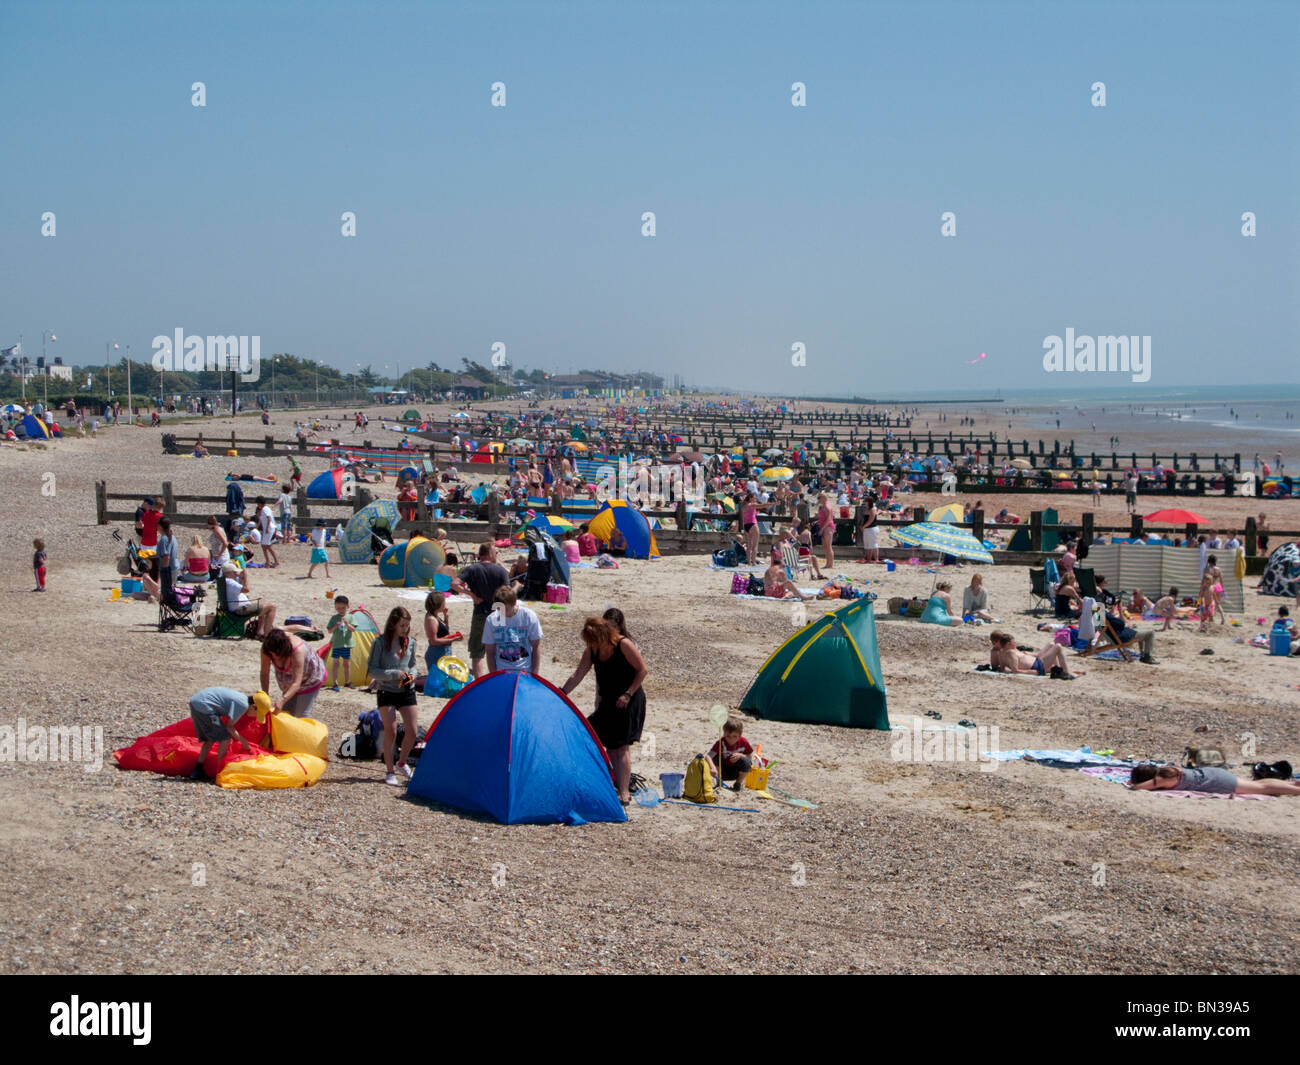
(945, 539)
(773, 452)
(778, 473)
(1174, 517)
(11, 408)
(693, 456)
(520, 442)
(1022, 464)
(550, 523)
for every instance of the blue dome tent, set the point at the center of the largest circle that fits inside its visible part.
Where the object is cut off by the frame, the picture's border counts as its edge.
(512, 746)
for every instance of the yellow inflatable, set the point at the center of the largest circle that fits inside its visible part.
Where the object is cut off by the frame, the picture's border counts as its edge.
(273, 771)
(300, 735)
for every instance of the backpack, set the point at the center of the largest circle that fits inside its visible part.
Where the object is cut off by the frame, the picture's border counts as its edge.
(756, 586)
(1203, 756)
(698, 786)
(363, 744)
(727, 558)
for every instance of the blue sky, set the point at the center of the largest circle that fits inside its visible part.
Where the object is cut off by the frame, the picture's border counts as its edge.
(775, 224)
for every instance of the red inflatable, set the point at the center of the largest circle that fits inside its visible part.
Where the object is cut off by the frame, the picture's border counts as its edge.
(174, 750)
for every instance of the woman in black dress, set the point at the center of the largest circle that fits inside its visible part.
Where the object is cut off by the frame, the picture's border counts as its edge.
(620, 697)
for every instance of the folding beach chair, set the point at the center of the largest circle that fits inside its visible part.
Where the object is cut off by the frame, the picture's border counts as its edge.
(175, 608)
(1107, 639)
(792, 562)
(1087, 578)
(1038, 589)
(226, 624)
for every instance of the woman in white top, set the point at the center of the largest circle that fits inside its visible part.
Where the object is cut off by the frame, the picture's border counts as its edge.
(975, 599)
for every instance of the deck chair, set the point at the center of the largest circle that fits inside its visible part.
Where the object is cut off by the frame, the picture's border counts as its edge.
(1038, 589)
(175, 609)
(792, 562)
(1087, 578)
(227, 625)
(1107, 639)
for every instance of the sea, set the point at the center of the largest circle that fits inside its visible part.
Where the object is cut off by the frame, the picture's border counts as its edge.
(1236, 419)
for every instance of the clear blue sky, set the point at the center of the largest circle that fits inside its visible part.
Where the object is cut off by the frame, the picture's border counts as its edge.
(775, 224)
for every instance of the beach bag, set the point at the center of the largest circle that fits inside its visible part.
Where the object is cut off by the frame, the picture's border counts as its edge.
(739, 583)
(1276, 771)
(755, 586)
(1204, 756)
(363, 745)
(726, 558)
(698, 786)
(915, 608)
(557, 593)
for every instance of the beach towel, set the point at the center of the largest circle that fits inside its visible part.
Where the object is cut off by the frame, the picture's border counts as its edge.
(773, 599)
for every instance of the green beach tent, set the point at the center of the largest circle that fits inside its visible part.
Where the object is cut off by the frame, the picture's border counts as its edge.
(411, 415)
(827, 673)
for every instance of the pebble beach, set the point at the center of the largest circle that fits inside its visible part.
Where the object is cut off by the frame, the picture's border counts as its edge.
(903, 866)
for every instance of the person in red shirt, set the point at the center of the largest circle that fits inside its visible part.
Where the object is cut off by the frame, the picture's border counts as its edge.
(734, 752)
(149, 524)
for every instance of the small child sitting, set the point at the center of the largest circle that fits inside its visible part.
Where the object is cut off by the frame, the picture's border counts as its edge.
(734, 752)
(1284, 620)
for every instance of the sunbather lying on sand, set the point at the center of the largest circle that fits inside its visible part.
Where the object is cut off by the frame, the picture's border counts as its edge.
(1006, 657)
(1208, 779)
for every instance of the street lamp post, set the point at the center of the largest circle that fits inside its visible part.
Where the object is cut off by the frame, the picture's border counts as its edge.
(273, 361)
(45, 383)
(130, 396)
(108, 370)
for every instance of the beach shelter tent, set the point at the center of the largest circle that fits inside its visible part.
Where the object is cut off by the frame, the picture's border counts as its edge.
(512, 746)
(354, 544)
(1155, 569)
(1282, 574)
(411, 415)
(332, 484)
(411, 563)
(1051, 538)
(631, 523)
(949, 512)
(362, 640)
(827, 673)
(35, 428)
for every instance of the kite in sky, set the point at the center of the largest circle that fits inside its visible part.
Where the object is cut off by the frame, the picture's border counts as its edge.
(972, 362)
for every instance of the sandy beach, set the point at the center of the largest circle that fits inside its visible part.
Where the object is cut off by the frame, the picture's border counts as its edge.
(902, 867)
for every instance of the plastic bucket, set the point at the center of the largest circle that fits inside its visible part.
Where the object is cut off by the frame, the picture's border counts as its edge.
(130, 586)
(672, 784)
(756, 778)
(889, 566)
(1279, 642)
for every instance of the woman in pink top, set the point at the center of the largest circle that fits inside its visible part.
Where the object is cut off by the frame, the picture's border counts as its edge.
(826, 528)
(299, 671)
(749, 523)
(571, 551)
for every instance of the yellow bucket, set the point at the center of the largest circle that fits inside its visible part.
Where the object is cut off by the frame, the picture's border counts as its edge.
(756, 778)
(115, 593)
